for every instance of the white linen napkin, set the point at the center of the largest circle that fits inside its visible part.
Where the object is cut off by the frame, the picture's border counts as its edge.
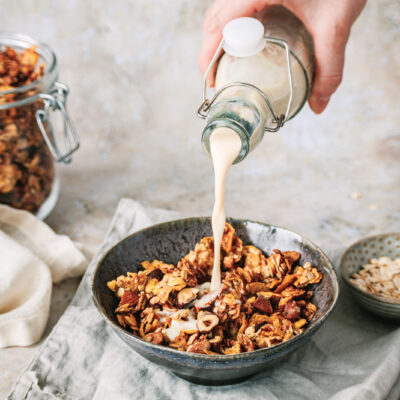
(32, 256)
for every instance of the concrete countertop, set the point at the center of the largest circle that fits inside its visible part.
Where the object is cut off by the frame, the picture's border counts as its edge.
(135, 88)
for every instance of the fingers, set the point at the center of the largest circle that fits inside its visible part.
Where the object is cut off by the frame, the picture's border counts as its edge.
(218, 15)
(328, 22)
(330, 39)
(329, 43)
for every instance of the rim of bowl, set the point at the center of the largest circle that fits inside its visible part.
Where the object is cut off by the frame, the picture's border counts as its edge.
(220, 357)
(378, 298)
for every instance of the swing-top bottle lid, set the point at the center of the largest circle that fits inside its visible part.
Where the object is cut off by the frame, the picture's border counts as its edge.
(243, 37)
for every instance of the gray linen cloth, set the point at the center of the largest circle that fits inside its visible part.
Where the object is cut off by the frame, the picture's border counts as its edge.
(353, 356)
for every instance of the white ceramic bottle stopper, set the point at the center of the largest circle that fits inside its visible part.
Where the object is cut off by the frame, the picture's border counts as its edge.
(243, 37)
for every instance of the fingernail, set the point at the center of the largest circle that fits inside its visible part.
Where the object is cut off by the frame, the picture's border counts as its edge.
(321, 103)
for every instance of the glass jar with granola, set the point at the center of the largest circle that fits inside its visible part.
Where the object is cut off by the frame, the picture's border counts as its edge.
(29, 141)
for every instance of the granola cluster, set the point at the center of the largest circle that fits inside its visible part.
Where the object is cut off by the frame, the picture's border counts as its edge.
(26, 165)
(263, 300)
(380, 277)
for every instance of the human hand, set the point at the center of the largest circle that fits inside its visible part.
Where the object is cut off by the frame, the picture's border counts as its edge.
(328, 21)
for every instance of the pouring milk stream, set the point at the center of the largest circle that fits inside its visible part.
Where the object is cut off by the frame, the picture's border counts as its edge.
(225, 147)
(253, 94)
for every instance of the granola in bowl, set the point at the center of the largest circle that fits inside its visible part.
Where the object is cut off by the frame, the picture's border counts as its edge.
(264, 300)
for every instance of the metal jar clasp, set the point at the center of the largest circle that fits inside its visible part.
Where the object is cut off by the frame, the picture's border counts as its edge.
(55, 100)
(278, 120)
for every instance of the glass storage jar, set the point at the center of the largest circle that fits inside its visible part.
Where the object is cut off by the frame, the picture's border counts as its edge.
(29, 143)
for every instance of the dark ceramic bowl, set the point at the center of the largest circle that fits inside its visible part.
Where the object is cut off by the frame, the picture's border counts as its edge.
(172, 240)
(358, 254)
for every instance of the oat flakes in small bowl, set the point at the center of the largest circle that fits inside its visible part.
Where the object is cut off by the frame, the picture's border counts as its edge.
(248, 331)
(371, 269)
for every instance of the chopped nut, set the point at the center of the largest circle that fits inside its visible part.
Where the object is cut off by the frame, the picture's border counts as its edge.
(310, 311)
(129, 298)
(292, 256)
(192, 338)
(128, 319)
(255, 287)
(245, 342)
(235, 349)
(206, 322)
(229, 299)
(300, 323)
(154, 337)
(120, 292)
(199, 347)
(287, 280)
(185, 296)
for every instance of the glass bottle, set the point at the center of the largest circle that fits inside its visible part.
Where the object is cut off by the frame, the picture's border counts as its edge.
(263, 78)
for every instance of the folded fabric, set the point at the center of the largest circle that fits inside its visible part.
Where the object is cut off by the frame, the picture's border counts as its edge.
(353, 356)
(32, 256)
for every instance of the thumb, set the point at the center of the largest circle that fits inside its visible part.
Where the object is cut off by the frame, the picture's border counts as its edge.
(219, 14)
(329, 44)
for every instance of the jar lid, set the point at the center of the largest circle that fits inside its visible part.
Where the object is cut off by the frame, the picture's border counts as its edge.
(243, 37)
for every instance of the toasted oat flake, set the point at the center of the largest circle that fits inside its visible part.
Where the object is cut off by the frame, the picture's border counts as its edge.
(380, 277)
(263, 300)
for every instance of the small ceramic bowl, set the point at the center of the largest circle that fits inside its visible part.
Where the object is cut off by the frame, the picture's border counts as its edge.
(359, 254)
(170, 242)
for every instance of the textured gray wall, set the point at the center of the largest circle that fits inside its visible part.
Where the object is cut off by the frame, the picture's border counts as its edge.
(135, 87)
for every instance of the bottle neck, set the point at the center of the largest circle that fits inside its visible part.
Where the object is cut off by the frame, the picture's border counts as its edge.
(240, 112)
(227, 124)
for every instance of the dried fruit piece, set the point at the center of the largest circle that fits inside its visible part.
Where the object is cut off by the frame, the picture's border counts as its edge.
(156, 274)
(262, 304)
(292, 310)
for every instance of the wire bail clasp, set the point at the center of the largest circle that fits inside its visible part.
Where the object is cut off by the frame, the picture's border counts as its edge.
(278, 120)
(54, 101)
